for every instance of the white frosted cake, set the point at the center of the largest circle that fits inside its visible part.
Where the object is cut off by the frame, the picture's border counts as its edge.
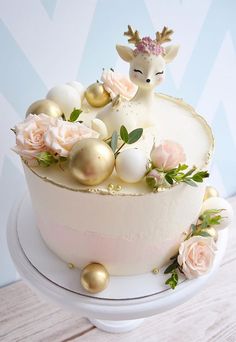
(116, 171)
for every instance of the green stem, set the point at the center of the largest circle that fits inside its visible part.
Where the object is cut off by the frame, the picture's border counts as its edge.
(116, 153)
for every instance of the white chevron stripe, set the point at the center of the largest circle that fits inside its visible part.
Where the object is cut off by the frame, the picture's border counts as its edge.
(7, 139)
(186, 18)
(54, 47)
(220, 86)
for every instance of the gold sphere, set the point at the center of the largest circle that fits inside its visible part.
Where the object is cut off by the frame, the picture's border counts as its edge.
(96, 95)
(94, 278)
(212, 232)
(45, 106)
(91, 161)
(210, 192)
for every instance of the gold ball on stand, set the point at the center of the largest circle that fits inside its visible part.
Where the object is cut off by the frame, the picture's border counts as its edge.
(44, 106)
(94, 278)
(91, 161)
(210, 192)
(96, 95)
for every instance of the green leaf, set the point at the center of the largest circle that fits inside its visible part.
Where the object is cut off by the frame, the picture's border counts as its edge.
(210, 212)
(203, 233)
(182, 167)
(189, 182)
(197, 178)
(124, 134)
(193, 227)
(46, 159)
(75, 114)
(171, 267)
(114, 141)
(173, 280)
(135, 135)
(169, 179)
(190, 172)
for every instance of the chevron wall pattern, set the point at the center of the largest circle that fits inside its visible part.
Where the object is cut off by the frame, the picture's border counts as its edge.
(47, 42)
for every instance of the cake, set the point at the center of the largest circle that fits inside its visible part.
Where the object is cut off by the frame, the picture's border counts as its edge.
(116, 172)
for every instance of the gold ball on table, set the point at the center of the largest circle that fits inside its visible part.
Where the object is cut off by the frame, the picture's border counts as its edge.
(94, 278)
(96, 95)
(91, 161)
(210, 192)
(45, 106)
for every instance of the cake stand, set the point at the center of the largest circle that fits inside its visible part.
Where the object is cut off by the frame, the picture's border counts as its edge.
(119, 308)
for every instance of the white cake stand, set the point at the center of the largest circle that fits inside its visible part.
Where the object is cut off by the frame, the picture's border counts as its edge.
(119, 308)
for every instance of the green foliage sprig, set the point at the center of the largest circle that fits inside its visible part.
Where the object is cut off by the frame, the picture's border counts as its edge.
(125, 136)
(176, 175)
(207, 219)
(47, 158)
(191, 177)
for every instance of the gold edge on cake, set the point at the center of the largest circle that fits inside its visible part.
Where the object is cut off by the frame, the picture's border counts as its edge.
(94, 190)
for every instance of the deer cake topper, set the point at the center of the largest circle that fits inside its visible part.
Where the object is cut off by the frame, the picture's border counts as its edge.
(147, 70)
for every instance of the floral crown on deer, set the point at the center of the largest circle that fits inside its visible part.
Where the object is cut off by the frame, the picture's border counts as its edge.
(147, 44)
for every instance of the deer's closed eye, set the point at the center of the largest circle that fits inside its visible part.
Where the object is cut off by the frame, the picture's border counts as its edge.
(137, 70)
(160, 73)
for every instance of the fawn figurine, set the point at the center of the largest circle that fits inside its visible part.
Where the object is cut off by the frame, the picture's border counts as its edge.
(147, 70)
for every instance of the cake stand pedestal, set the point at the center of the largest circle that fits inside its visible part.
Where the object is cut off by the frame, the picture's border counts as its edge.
(119, 308)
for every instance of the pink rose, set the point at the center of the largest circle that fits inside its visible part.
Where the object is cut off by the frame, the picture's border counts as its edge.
(196, 256)
(61, 137)
(117, 84)
(168, 155)
(30, 135)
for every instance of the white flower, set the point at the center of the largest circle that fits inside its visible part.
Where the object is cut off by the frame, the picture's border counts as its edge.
(118, 84)
(61, 137)
(196, 256)
(30, 135)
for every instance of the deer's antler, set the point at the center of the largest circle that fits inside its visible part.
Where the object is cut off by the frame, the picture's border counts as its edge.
(164, 36)
(134, 35)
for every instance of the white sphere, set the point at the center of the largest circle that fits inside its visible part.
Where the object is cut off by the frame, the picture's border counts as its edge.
(66, 97)
(219, 203)
(131, 165)
(78, 87)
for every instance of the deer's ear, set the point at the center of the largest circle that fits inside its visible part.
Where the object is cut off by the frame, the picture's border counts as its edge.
(125, 52)
(171, 52)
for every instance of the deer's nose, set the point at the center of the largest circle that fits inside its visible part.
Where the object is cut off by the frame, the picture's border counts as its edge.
(148, 80)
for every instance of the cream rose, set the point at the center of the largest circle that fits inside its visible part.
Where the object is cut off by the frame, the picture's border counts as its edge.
(196, 256)
(118, 84)
(30, 135)
(61, 137)
(167, 155)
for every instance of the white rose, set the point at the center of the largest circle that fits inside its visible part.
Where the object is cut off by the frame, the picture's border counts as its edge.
(196, 256)
(61, 137)
(118, 84)
(30, 135)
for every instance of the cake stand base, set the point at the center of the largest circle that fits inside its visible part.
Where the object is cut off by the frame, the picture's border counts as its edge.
(119, 308)
(116, 326)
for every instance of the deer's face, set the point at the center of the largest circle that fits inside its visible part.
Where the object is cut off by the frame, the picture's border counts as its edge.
(147, 71)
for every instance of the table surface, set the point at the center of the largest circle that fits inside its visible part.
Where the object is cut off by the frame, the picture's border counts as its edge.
(209, 316)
